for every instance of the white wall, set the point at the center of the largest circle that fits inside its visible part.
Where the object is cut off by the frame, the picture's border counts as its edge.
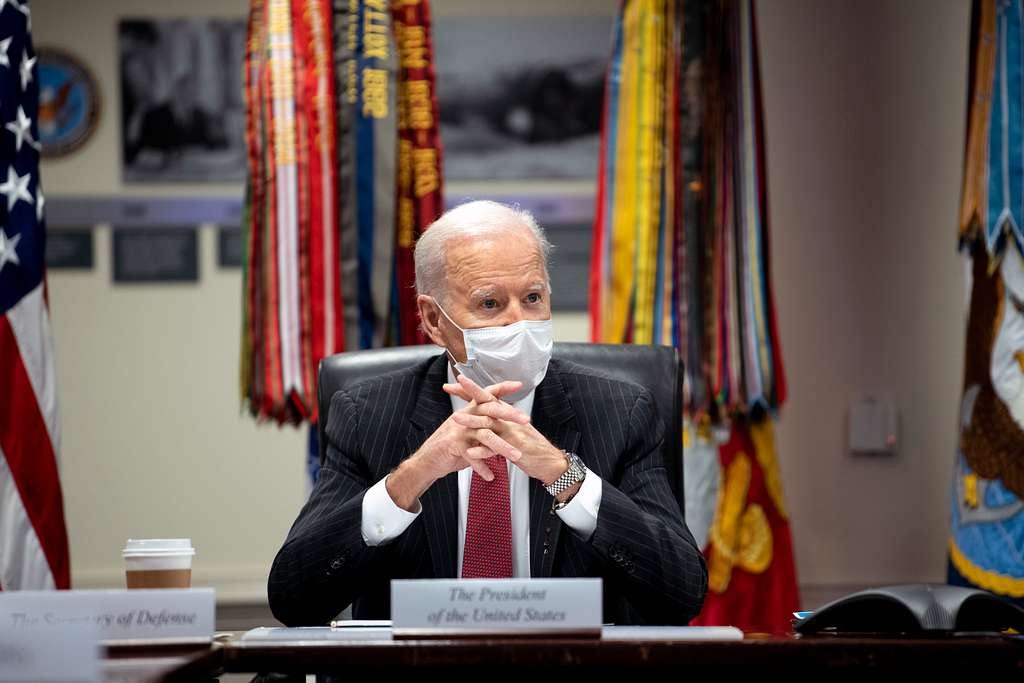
(865, 106)
(864, 112)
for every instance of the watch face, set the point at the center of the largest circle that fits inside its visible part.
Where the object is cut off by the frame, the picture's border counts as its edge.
(575, 473)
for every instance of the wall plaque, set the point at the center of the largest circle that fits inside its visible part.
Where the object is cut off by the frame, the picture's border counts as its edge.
(69, 249)
(69, 102)
(229, 247)
(156, 255)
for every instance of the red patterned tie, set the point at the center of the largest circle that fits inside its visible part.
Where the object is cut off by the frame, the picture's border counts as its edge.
(487, 553)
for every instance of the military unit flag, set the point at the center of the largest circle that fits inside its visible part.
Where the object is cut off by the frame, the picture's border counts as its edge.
(344, 173)
(681, 257)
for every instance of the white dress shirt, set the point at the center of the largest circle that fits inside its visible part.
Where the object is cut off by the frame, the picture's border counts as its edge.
(383, 521)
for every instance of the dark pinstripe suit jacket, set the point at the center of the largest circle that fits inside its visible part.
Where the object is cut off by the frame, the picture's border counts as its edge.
(652, 569)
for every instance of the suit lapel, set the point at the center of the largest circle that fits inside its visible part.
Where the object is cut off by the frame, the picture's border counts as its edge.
(441, 501)
(552, 416)
(555, 418)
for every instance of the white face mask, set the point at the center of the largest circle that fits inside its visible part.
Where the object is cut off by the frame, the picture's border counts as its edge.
(519, 352)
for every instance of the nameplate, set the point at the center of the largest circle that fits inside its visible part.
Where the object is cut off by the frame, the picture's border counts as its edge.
(117, 614)
(69, 652)
(439, 608)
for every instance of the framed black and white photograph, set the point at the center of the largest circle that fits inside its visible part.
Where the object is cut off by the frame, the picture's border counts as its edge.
(521, 97)
(182, 104)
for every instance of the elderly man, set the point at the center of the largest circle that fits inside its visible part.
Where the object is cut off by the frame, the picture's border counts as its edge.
(491, 459)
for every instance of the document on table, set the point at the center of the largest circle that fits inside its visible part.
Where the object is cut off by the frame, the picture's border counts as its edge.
(681, 633)
(381, 630)
(341, 631)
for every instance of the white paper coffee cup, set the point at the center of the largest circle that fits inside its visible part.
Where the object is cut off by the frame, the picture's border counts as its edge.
(158, 562)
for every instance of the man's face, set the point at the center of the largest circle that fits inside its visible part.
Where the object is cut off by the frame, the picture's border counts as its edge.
(491, 281)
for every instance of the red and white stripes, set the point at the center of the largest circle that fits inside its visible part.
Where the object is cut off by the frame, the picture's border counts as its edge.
(33, 539)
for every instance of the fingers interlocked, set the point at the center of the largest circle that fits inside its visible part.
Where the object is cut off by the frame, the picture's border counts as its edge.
(482, 420)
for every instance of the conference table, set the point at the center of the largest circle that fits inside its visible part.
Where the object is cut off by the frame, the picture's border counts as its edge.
(517, 657)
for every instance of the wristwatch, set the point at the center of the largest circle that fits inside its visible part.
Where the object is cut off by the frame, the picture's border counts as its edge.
(572, 476)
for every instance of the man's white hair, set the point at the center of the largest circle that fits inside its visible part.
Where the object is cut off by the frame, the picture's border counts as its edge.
(473, 219)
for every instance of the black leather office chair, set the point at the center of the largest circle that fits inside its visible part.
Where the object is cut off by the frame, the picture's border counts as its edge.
(655, 367)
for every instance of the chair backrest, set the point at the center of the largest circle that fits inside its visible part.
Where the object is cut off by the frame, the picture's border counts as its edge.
(655, 367)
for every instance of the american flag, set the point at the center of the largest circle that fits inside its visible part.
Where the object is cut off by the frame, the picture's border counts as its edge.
(33, 538)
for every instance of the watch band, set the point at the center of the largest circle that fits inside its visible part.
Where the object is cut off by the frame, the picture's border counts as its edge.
(574, 473)
(558, 505)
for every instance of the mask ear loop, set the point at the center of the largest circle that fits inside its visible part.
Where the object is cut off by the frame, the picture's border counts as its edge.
(445, 314)
(451, 358)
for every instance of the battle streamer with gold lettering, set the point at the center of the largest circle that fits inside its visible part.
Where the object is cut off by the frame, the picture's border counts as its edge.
(336, 92)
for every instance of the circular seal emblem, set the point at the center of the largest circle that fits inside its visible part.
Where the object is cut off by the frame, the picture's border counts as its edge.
(69, 102)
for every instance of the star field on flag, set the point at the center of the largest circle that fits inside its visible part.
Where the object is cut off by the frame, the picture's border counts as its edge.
(33, 536)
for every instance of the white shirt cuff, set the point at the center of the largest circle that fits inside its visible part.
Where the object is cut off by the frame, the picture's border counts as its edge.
(383, 520)
(581, 512)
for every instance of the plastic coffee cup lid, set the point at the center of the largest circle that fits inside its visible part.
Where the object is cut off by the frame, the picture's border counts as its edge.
(150, 547)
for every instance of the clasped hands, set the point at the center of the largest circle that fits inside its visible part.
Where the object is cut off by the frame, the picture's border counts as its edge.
(486, 427)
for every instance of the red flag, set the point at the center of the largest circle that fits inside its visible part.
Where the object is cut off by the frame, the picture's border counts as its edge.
(419, 200)
(751, 575)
